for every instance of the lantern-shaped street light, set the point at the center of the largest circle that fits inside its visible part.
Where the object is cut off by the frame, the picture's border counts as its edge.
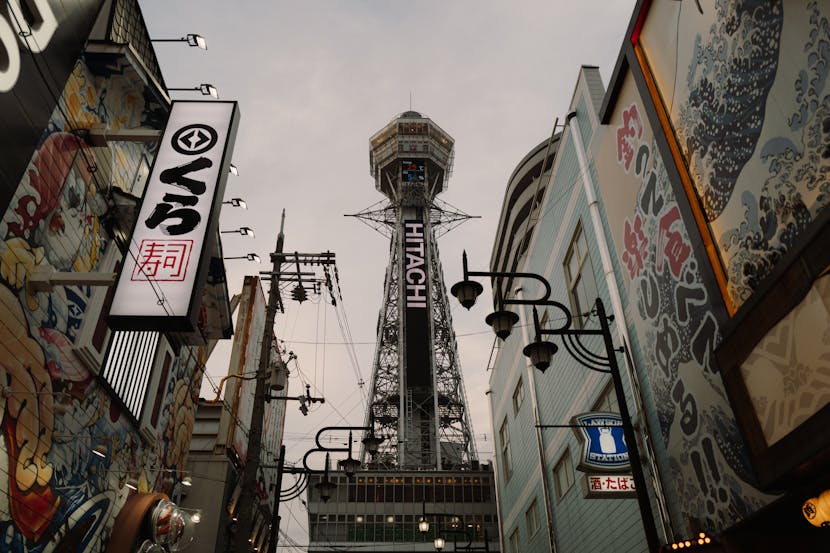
(541, 353)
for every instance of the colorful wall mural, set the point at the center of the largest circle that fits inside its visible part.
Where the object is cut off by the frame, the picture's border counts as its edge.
(708, 476)
(745, 85)
(67, 450)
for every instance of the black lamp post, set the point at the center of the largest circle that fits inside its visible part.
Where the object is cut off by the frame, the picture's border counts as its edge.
(541, 352)
(325, 487)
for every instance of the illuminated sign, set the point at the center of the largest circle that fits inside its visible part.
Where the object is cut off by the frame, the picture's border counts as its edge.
(415, 273)
(413, 171)
(161, 281)
(608, 485)
(603, 442)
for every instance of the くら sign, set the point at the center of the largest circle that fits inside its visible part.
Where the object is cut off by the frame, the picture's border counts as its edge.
(163, 275)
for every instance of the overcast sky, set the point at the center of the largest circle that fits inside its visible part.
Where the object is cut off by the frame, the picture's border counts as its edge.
(314, 80)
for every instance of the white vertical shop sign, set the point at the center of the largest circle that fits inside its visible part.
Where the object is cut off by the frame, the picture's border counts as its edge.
(163, 274)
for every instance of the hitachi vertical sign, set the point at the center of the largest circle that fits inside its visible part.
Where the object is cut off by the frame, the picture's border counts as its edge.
(40, 41)
(416, 306)
(161, 281)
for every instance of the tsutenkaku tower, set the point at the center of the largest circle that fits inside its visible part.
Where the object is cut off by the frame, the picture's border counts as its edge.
(417, 397)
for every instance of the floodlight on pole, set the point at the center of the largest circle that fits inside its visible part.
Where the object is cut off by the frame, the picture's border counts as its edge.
(249, 256)
(237, 202)
(191, 39)
(206, 89)
(244, 231)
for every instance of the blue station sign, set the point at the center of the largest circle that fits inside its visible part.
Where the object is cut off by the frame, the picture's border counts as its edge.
(603, 442)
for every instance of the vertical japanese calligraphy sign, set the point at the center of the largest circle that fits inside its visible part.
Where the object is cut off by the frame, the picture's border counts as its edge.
(164, 273)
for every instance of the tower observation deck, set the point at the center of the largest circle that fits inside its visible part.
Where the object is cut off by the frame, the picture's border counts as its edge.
(417, 397)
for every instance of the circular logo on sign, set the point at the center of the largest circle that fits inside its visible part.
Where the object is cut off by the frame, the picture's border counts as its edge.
(194, 139)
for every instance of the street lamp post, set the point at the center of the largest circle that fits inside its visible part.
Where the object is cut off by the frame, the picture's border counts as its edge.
(349, 465)
(541, 352)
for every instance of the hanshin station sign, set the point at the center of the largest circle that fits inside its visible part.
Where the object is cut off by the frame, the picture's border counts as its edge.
(163, 275)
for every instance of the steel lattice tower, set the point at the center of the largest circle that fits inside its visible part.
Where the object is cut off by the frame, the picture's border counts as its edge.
(417, 397)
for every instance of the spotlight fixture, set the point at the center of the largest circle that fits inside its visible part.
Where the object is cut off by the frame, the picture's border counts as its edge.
(206, 89)
(236, 202)
(191, 39)
(244, 231)
(249, 256)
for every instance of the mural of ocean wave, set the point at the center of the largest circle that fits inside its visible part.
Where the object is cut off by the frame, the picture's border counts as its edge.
(729, 80)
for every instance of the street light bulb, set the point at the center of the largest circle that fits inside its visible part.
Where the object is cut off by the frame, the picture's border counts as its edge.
(372, 444)
(540, 353)
(197, 40)
(466, 292)
(423, 525)
(502, 322)
(326, 488)
(439, 543)
(350, 466)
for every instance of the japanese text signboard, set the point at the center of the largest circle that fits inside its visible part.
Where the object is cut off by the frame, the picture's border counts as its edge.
(608, 485)
(603, 442)
(160, 284)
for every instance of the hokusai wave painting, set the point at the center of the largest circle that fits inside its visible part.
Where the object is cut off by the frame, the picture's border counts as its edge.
(746, 87)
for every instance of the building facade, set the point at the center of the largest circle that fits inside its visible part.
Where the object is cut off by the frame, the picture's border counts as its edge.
(96, 423)
(708, 157)
(546, 501)
(219, 446)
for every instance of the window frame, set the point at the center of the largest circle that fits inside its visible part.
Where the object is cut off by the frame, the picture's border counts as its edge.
(577, 282)
(504, 450)
(564, 462)
(513, 540)
(518, 396)
(532, 514)
(606, 401)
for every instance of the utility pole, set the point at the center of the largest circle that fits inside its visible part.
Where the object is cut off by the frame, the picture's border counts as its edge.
(244, 511)
(245, 505)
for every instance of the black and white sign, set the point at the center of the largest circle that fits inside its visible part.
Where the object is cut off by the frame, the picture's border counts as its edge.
(416, 304)
(162, 278)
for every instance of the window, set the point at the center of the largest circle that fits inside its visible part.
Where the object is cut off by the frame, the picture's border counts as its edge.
(563, 474)
(514, 541)
(579, 274)
(532, 519)
(504, 440)
(607, 401)
(518, 396)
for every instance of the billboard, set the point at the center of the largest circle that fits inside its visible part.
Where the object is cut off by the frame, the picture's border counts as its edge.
(161, 280)
(416, 305)
(669, 308)
(37, 38)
